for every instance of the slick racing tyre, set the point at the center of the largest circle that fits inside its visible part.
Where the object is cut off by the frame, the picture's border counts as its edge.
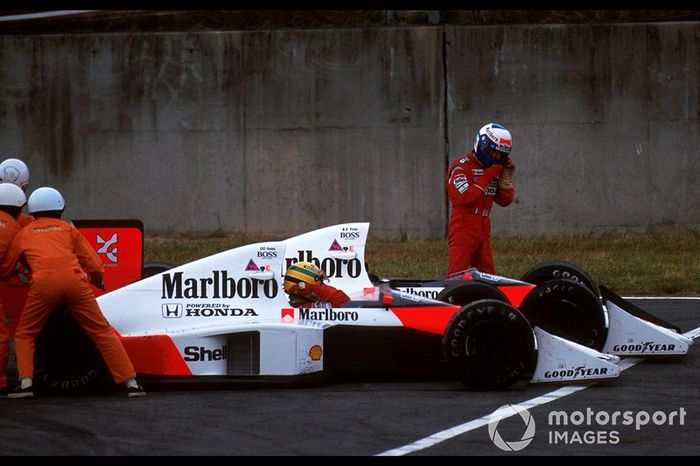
(467, 292)
(552, 270)
(490, 345)
(568, 309)
(66, 360)
(154, 268)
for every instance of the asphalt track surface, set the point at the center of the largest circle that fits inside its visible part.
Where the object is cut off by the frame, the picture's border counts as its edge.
(373, 418)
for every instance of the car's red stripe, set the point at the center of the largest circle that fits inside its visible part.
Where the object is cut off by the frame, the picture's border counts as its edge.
(431, 319)
(155, 354)
(516, 293)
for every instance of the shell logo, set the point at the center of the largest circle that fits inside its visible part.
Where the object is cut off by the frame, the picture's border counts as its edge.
(315, 352)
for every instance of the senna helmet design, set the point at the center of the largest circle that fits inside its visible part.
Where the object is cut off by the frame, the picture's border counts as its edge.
(302, 272)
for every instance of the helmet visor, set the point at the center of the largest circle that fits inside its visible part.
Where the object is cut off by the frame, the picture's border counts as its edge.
(496, 155)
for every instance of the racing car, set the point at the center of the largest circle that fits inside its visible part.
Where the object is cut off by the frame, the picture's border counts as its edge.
(227, 317)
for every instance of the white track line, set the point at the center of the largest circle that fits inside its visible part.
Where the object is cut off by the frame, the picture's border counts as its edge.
(45, 14)
(669, 298)
(452, 432)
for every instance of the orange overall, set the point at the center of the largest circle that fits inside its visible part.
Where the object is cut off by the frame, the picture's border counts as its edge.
(24, 220)
(8, 229)
(61, 260)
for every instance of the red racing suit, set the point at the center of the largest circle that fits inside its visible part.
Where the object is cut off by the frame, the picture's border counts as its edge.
(317, 295)
(472, 189)
(8, 229)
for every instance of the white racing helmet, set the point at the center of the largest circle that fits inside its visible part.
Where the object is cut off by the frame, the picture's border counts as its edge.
(45, 199)
(492, 137)
(12, 195)
(16, 172)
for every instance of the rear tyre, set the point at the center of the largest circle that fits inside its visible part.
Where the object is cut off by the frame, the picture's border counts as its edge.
(66, 360)
(465, 292)
(553, 270)
(154, 268)
(490, 345)
(567, 309)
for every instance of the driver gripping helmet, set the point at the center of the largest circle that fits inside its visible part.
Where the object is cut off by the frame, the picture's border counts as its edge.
(16, 172)
(302, 272)
(492, 137)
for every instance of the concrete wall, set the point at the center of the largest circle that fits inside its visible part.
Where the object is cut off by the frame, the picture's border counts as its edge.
(283, 131)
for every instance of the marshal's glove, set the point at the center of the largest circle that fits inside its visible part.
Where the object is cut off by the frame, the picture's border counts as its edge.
(505, 181)
(96, 278)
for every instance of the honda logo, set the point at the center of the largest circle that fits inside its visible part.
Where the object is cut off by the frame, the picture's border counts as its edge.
(172, 311)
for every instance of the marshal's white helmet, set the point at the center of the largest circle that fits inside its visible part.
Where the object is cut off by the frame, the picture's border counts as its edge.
(16, 172)
(44, 199)
(11, 195)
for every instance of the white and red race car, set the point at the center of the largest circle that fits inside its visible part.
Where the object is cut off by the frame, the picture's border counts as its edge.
(226, 317)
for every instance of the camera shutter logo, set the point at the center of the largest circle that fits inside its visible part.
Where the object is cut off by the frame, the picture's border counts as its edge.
(505, 412)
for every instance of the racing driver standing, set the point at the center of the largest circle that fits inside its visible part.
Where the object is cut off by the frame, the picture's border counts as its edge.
(473, 183)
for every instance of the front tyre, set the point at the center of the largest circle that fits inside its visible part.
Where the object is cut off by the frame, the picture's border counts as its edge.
(490, 345)
(567, 309)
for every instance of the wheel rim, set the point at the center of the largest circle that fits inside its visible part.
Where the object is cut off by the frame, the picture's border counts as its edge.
(565, 318)
(491, 344)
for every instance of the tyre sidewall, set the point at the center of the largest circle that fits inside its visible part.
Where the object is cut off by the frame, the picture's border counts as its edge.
(554, 294)
(519, 365)
(468, 292)
(555, 270)
(66, 361)
(154, 268)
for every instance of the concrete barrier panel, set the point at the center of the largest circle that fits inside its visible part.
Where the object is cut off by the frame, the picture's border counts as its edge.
(214, 131)
(345, 126)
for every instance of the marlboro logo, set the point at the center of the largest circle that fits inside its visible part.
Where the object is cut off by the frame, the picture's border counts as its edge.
(288, 315)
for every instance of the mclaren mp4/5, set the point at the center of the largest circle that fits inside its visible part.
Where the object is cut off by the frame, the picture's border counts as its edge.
(226, 316)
